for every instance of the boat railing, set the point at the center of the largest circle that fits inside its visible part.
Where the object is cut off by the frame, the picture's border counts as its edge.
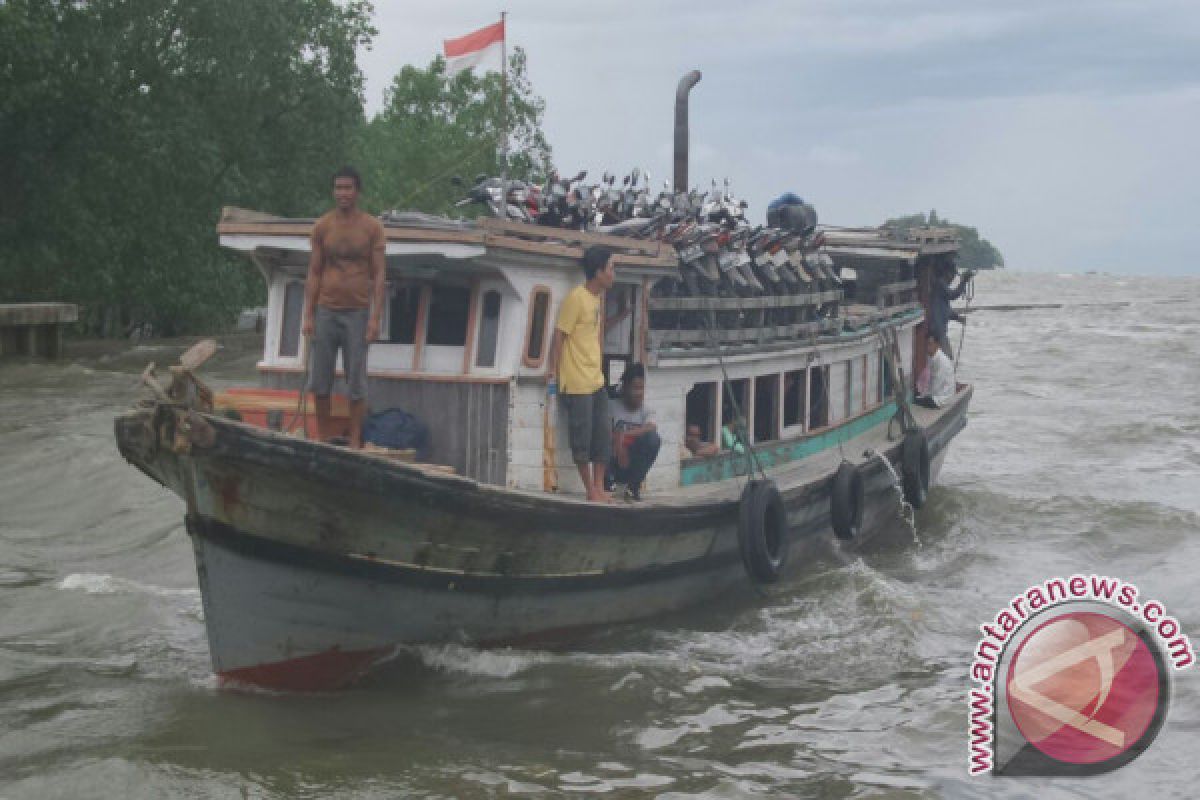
(895, 294)
(666, 339)
(743, 303)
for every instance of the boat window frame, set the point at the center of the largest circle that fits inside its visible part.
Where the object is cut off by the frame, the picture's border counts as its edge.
(481, 316)
(796, 428)
(826, 378)
(301, 340)
(710, 432)
(746, 402)
(431, 319)
(866, 403)
(776, 407)
(534, 293)
(394, 287)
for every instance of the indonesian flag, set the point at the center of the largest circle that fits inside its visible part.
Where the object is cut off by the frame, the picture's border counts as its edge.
(475, 48)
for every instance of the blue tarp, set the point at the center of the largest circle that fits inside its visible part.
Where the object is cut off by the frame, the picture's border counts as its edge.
(396, 429)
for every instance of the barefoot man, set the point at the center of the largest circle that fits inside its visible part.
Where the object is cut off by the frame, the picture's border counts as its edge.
(575, 358)
(343, 298)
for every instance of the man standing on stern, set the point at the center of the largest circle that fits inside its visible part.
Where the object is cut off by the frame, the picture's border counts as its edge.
(575, 358)
(343, 299)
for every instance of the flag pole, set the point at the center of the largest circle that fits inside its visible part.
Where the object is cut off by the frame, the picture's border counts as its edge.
(504, 102)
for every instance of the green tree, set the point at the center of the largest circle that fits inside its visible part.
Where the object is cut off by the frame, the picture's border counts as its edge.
(974, 251)
(434, 126)
(125, 125)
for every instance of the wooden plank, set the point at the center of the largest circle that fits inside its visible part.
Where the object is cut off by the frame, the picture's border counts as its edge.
(647, 247)
(667, 262)
(742, 303)
(894, 288)
(393, 233)
(659, 339)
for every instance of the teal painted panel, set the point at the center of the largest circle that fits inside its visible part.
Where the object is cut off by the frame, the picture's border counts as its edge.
(772, 455)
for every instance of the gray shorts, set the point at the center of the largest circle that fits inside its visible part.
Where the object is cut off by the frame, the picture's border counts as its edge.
(588, 426)
(333, 331)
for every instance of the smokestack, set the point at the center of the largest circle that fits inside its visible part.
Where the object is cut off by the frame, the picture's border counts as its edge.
(681, 128)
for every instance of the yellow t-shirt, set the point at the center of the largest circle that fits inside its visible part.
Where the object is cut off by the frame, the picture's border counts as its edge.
(579, 364)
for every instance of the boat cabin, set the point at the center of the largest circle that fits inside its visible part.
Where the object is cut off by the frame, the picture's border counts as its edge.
(469, 318)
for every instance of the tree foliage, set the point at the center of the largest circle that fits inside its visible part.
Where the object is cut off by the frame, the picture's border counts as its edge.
(125, 125)
(434, 126)
(974, 252)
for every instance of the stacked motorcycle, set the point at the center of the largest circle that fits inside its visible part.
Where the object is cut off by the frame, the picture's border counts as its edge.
(721, 255)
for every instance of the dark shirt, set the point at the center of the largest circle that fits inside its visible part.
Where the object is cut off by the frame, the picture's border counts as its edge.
(940, 312)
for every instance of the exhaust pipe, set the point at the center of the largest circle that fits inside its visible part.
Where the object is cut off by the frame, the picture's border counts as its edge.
(681, 128)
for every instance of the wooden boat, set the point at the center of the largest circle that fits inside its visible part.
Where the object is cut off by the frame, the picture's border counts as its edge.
(316, 561)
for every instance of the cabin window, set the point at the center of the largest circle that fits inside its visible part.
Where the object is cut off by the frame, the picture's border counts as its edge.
(818, 397)
(885, 379)
(766, 406)
(293, 311)
(854, 386)
(489, 329)
(701, 410)
(402, 314)
(794, 386)
(620, 306)
(736, 407)
(614, 368)
(874, 379)
(449, 308)
(535, 334)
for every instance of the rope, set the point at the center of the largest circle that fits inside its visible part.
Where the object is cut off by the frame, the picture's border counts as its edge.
(752, 462)
(302, 400)
(455, 164)
(969, 293)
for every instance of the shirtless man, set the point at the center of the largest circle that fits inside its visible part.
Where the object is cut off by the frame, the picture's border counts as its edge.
(343, 300)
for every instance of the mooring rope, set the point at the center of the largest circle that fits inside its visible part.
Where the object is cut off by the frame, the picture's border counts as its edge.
(752, 462)
(969, 293)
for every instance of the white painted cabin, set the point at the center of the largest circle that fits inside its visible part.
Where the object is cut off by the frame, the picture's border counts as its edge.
(469, 318)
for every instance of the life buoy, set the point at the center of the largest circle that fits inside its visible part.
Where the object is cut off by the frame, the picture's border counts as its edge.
(915, 467)
(763, 531)
(847, 501)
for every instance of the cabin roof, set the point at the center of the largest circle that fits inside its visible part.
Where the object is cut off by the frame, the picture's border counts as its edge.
(883, 243)
(241, 229)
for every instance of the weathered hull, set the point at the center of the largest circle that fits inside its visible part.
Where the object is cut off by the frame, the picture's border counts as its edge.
(315, 562)
(292, 619)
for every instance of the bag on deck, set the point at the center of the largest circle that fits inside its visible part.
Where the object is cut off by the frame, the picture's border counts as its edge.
(396, 429)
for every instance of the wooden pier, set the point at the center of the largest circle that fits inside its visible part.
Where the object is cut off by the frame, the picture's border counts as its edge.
(34, 329)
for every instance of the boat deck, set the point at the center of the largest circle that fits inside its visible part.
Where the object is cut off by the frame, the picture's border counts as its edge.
(795, 473)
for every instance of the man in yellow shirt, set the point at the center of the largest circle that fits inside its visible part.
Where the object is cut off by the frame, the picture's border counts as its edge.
(576, 360)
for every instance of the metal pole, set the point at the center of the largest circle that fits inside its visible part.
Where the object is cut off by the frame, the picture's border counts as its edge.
(681, 128)
(504, 105)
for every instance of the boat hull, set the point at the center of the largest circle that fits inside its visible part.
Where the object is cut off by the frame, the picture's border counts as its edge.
(290, 619)
(315, 563)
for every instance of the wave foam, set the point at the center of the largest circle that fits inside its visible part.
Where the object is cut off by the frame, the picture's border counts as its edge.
(94, 583)
(486, 663)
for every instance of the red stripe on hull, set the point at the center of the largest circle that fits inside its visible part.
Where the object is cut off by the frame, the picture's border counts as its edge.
(325, 671)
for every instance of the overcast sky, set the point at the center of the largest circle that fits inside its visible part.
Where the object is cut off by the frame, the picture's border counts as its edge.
(1067, 132)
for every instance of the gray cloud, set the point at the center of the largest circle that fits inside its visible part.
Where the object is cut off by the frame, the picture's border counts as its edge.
(1063, 130)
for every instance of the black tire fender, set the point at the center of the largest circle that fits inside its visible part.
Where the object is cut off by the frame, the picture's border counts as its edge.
(763, 531)
(914, 463)
(847, 501)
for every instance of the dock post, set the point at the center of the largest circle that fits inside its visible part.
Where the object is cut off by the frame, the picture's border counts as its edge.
(35, 330)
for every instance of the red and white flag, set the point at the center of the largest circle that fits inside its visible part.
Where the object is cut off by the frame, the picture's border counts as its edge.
(484, 45)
